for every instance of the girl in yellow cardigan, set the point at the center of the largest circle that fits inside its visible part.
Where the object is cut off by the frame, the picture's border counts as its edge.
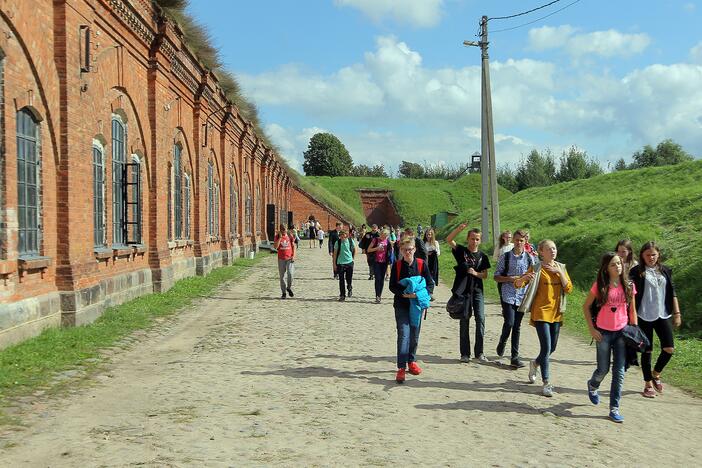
(545, 300)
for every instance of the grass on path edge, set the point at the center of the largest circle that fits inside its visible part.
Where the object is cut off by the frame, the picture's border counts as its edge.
(32, 364)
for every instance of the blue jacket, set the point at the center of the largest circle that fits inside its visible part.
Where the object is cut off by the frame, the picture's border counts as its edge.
(418, 286)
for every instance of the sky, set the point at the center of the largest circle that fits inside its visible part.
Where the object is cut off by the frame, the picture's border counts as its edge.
(393, 80)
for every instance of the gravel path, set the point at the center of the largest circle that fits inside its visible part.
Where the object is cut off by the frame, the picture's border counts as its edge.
(243, 378)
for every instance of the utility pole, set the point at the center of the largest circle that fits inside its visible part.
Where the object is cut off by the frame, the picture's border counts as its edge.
(488, 168)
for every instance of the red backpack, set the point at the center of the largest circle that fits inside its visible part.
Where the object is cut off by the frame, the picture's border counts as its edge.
(398, 265)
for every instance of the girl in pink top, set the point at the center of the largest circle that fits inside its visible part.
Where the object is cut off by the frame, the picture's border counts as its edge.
(613, 296)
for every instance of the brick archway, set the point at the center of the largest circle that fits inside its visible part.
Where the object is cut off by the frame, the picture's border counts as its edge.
(378, 207)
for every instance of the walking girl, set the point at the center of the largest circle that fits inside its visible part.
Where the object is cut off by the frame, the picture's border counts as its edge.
(408, 324)
(380, 249)
(344, 253)
(545, 300)
(505, 245)
(658, 310)
(433, 252)
(613, 296)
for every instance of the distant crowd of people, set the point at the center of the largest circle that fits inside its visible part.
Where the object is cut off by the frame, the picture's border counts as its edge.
(625, 293)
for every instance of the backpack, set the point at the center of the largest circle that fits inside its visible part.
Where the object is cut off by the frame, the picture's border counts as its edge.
(398, 266)
(351, 244)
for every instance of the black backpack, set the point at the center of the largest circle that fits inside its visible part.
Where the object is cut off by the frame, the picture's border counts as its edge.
(505, 269)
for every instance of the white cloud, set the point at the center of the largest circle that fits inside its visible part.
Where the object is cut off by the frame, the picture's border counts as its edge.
(689, 6)
(420, 13)
(398, 108)
(696, 53)
(610, 43)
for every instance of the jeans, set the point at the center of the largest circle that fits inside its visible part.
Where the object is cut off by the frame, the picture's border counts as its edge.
(478, 311)
(664, 330)
(407, 338)
(548, 339)
(345, 273)
(285, 267)
(610, 341)
(379, 270)
(513, 323)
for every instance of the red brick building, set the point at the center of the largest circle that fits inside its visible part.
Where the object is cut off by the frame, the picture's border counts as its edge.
(123, 167)
(304, 206)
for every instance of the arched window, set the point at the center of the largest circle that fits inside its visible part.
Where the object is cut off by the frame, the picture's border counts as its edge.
(169, 203)
(99, 239)
(177, 191)
(119, 160)
(134, 201)
(247, 207)
(210, 199)
(186, 199)
(233, 208)
(216, 210)
(28, 180)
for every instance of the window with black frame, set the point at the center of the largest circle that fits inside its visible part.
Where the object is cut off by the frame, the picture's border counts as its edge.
(119, 161)
(99, 239)
(28, 177)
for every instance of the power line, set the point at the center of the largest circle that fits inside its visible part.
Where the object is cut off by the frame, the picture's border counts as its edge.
(536, 20)
(524, 12)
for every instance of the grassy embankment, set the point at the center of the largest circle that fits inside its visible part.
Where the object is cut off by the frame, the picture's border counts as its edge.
(587, 217)
(34, 363)
(415, 199)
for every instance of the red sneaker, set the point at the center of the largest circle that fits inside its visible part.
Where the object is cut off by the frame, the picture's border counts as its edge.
(400, 377)
(414, 369)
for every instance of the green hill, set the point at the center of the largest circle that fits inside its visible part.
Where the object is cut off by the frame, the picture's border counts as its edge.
(587, 217)
(415, 199)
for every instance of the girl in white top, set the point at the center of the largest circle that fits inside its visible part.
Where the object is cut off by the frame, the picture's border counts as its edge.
(320, 237)
(433, 252)
(505, 245)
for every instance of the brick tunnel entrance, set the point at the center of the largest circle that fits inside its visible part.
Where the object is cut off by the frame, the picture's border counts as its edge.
(378, 207)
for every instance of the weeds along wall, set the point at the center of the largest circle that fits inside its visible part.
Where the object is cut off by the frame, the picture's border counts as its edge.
(123, 167)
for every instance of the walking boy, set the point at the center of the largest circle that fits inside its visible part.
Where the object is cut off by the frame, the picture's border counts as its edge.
(285, 245)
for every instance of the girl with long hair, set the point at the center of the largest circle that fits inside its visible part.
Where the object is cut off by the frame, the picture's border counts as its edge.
(658, 310)
(613, 296)
(626, 252)
(433, 252)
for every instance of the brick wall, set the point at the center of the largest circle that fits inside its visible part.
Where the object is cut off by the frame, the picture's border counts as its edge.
(303, 206)
(139, 72)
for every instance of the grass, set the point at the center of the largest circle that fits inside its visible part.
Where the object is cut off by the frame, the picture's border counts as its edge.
(415, 199)
(332, 199)
(34, 363)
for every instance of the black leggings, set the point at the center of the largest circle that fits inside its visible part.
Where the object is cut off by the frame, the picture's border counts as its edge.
(664, 331)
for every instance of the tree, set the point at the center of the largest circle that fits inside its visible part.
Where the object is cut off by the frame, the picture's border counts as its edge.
(327, 156)
(506, 178)
(378, 171)
(666, 153)
(575, 164)
(411, 170)
(536, 170)
(620, 165)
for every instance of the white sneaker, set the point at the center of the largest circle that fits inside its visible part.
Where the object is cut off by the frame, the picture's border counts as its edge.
(533, 368)
(482, 358)
(547, 391)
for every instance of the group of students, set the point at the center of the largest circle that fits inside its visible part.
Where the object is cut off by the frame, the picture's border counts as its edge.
(530, 280)
(381, 246)
(625, 292)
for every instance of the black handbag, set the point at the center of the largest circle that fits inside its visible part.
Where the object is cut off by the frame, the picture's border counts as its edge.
(635, 338)
(456, 305)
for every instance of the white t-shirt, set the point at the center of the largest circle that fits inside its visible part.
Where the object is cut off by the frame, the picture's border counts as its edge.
(320, 235)
(501, 250)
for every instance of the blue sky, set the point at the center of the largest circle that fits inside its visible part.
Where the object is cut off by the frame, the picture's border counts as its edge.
(393, 81)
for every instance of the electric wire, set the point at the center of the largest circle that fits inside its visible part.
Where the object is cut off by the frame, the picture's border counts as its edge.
(536, 20)
(524, 12)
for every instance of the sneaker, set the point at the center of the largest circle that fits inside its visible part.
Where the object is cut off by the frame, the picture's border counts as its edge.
(658, 385)
(350, 292)
(342, 298)
(370, 277)
(283, 296)
(414, 369)
(533, 368)
(547, 390)
(517, 363)
(615, 416)
(501, 348)
(290, 292)
(465, 358)
(377, 299)
(593, 394)
(482, 358)
(649, 392)
(400, 376)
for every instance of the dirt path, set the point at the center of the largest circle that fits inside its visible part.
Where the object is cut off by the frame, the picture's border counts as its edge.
(246, 379)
